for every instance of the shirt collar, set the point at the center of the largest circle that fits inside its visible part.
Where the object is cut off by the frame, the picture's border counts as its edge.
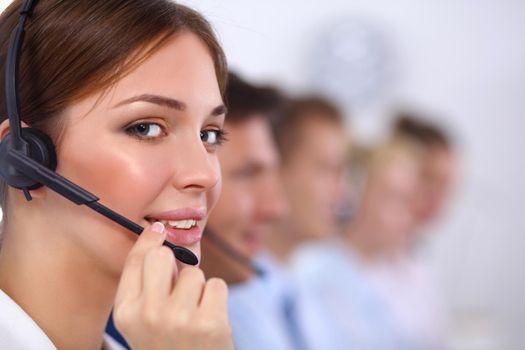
(17, 328)
(19, 331)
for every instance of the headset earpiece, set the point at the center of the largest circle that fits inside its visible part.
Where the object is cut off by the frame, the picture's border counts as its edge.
(40, 148)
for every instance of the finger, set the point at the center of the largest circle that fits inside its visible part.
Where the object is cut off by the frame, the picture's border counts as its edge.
(130, 284)
(188, 288)
(214, 300)
(158, 273)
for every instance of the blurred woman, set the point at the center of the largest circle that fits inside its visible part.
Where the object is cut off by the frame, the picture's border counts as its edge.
(377, 296)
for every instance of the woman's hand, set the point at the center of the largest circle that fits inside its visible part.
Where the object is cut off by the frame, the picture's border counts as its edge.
(157, 307)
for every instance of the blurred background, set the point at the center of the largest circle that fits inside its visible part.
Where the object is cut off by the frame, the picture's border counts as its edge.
(461, 62)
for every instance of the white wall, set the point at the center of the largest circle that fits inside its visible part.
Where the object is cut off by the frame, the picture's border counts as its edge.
(464, 59)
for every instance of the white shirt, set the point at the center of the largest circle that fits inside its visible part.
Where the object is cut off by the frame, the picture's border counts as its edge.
(407, 286)
(18, 331)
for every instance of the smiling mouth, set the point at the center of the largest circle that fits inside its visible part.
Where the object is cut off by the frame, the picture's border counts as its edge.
(185, 232)
(175, 224)
(180, 224)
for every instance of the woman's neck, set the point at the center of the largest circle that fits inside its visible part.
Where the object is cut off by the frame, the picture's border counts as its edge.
(56, 286)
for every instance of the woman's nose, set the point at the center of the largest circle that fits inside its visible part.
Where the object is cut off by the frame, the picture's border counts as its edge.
(196, 167)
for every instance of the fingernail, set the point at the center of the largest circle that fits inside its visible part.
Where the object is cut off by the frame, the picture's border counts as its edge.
(157, 227)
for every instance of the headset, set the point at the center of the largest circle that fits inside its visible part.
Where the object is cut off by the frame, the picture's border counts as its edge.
(28, 158)
(233, 253)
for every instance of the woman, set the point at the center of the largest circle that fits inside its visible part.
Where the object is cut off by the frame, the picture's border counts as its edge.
(130, 93)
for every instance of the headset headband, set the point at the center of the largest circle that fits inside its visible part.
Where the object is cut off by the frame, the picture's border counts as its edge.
(11, 74)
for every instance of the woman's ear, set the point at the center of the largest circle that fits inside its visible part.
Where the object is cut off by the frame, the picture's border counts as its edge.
(37, 193)
(5, 128)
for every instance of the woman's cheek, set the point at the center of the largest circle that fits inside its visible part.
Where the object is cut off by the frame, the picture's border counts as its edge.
(215, 192)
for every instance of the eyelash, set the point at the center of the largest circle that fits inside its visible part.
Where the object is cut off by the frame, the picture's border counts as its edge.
(132, 130)
(220, 134)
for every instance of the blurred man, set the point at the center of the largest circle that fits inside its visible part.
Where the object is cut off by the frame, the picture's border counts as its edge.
(251, 198)
(312, 143)
(439, 166)
(250, 203)
(271, 312)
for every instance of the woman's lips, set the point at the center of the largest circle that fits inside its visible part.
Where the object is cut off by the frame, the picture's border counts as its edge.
(183, 226)
(180, 214)
(185, 237)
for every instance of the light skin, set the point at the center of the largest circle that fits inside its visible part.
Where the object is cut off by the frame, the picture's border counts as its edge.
(312, 179)
(385, 218)
(251, 198)
(437, 176)
(146, 146)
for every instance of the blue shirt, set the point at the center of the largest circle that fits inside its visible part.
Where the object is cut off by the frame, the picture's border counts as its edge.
(269, 312)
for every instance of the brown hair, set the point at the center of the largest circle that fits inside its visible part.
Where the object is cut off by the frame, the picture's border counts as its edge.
(74, 48)
(245, 100)
(424, 133)
(297, 112)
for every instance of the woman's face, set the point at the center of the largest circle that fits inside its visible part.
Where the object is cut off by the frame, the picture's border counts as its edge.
(147, 149)
(389, 201)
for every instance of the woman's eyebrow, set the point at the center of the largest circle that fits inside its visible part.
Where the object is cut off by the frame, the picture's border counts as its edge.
(219, 110)
(155, 99)
(167, 102)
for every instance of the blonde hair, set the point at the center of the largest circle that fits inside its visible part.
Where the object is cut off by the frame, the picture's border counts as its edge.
(365, 163)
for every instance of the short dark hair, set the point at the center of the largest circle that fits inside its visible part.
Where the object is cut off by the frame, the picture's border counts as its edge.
(245, 100)
(425, 133)
(296, 113)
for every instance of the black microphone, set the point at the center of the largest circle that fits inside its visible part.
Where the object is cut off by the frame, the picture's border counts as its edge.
(233, 253)
(80, 196)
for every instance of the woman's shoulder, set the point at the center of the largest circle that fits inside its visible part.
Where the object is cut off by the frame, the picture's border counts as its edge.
(18, 330)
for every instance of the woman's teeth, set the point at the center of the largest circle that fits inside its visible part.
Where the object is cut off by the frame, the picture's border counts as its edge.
(180, 224)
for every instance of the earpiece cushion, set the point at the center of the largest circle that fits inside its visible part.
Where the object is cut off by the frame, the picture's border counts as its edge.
(41, 149)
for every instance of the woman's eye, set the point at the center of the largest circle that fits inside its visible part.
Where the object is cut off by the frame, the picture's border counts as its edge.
(145, 130)
(214, 137)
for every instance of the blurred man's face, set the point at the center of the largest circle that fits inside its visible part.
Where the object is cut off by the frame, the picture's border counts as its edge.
(250, 200)
(388, 203)
(436, 179)
(312, 179)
